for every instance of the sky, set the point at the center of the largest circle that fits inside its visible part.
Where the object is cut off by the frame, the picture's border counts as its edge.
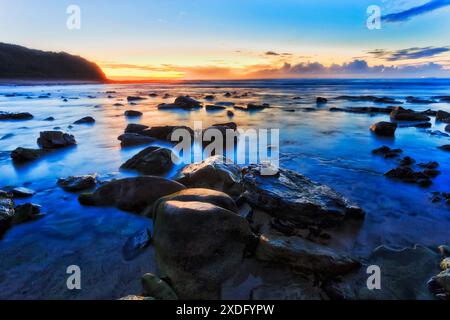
(240, 39)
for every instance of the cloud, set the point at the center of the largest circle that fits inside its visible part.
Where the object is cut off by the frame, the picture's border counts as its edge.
(407, 54)
(407, 14)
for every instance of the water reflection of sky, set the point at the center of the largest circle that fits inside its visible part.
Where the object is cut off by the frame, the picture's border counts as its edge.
(332, 148)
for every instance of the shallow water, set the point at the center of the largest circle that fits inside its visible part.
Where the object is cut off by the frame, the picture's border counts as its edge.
(333, 148)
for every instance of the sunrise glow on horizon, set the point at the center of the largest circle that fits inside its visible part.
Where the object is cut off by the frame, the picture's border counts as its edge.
(251, 39)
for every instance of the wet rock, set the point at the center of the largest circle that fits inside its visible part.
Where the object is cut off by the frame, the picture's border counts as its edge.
(445, 264)
(412, 99)
(368, 110)
(131, 194)
(213, 197)
(387, 152)
(157, 288)
(321, 100)
(22, 192)
(78, 183)
(152, 160)
(132, 113)
(214, 108)
(443, 279)
(55, 140)
(408, 175)
(135, 128)
(209, 97)
(217, 173)
(257, 107)
(7, 211)
(384, 128)
(49, 119)
(444, 250)
(15, 116)
(134, 139)
(153, 95)
(217, 240)
(401, 114)
(432, 173)
(369, 98)
(447, 128)
(227, 95)
(225, 103)
(133, 98)
(304, 255)
(26, 212)
(445, 147)
(21, 155)
(182, 102)
(292, 197)
(230, 114)
(164, 133)
(443, 116)
(118, 105)
(136, 244)
(85, 120)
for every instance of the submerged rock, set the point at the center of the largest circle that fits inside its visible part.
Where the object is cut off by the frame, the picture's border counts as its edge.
(15, 116)
(445, 147)
(131, 194)
(384, 128)
(134, 139)
(21, 155)
(152, 160)
(85, 120)
(292, 197)
(26, 212)
(304, 255)
(217, 173)
(22, 192)
(136, 244)
(157, 288)
(216, 238)
(133, 98)
(321, 100)
(369, 98)
(408, 175)
(132, 113)
(214, 108)
(55, 140)
(78, 183)
(387, 152)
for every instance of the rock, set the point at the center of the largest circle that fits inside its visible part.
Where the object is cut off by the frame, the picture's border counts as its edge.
(198, 246)
(387, 152)
(213, 197)
(182, 102)
(412, 99)
(384, 128)
(429, 112)
(118, 105)
(227, 95)
(78, 183)
(21, 155)
(55, 140)
(321, 100)
(444, 250)
(132, 113)
(49, 119)
(164, 133)
(304, 255)
(257, 107)
(401, 114)
(408, 175)
(443, 116)
(214, 108)
(152, 160)
(447, 128)
(445, 147)
(26, 212)
(445, 264)
(21, 192)
(136, 298)
(131, 194)
(209, 97)
(134, 139)
(135, 128)
(157, 288)
(85, 120)
(132, 98)
(368, 110)
(369, 98)
(216, 172)
(230, 114)
(443, 279)
(15, 116)
(153, 95)
(136, 244)
(407, 161)
(7, 211)
(292, 197)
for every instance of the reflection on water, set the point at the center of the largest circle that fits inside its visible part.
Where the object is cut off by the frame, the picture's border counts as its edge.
(330, 147)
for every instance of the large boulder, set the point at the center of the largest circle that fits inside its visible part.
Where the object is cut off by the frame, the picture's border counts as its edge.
(292, 197)
(15, 116)
(217, 173)
(21, 155)
(55, 140)
(303, 255)
(198, 246)
(131, 194)
(401, 114)
(78, 183)
(152, 160)
(134, 139)
(384, 128)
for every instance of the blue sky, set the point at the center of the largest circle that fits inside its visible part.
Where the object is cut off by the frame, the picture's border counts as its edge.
(230, 39)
